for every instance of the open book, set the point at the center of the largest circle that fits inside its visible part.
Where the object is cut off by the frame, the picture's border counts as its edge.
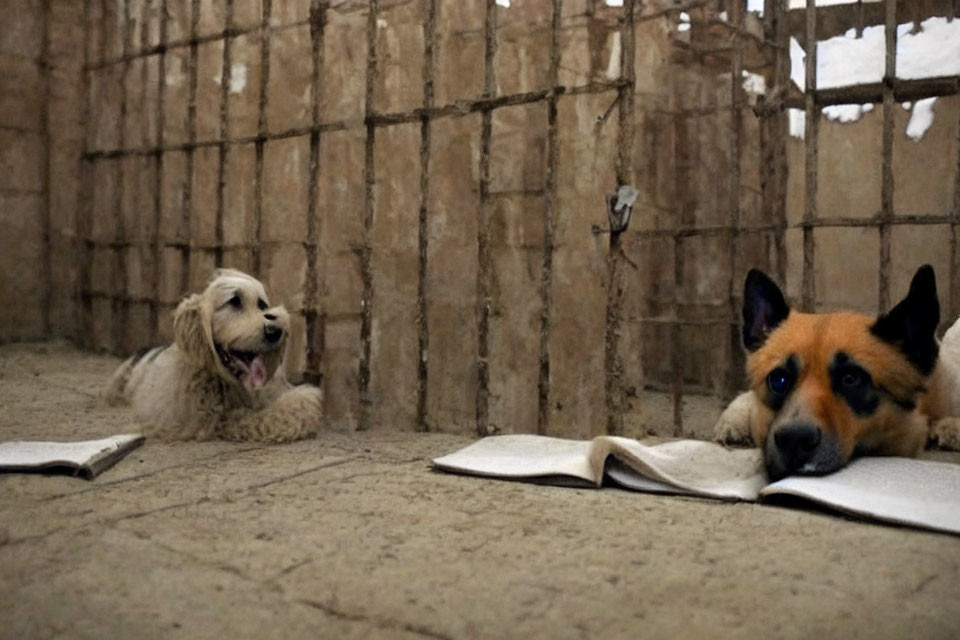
(88, 458)
(917, 493)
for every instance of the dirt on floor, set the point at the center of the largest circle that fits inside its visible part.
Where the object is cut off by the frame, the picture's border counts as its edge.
(352, 535)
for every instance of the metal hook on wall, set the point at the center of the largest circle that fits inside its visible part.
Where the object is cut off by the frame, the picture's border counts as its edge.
(620, 207)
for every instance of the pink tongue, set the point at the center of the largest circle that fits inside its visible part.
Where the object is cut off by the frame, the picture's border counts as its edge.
(256, 375)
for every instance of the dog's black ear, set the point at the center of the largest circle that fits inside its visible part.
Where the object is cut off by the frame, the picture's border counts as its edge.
(763, 308)
(911, 325)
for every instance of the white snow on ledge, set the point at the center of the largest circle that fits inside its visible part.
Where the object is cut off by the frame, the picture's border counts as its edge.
(847, 112)
(921, 117)
(847, 60)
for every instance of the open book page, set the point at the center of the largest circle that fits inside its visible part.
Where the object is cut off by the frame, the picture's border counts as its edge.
(524, 456)
(694, 466)
(623, 475)
(88, 458)
(683, 466)
(901, 490)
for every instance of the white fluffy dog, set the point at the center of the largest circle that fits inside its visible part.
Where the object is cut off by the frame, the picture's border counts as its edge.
(222, 377)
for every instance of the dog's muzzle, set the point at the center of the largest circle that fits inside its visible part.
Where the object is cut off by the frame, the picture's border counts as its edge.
(250, 367)
(801, 448)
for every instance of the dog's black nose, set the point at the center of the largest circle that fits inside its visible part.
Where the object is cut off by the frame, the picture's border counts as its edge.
(796, 444)
(272, 334)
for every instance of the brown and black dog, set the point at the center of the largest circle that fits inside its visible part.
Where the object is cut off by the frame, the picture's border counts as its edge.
(827, 387)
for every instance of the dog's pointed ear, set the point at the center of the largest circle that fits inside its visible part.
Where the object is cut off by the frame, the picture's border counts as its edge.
(189, 329)
(911, 325)
(763, 308)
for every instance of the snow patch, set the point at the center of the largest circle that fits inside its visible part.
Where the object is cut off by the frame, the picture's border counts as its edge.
(847, 60)
(933, 51)
(798, 61)
(798, 122)
(847, 112)
(754, 83)
(503, 3)
(921, 118)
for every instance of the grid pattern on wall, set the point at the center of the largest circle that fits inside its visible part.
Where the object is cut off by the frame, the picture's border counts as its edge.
(425, 184)
(199, 175)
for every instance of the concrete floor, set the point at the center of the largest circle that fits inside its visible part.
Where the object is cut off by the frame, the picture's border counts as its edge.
(353, 536)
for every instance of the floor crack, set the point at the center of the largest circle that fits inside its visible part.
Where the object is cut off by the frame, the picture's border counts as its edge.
(100, 484)
(374, 620)
(328, 465)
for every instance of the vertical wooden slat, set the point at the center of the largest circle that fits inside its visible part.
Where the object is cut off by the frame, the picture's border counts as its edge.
(186, 230)
(313, 315)
(366, 269)
(46, 277)
(84, 191)
(120, 306)
(423, 329)
(682, 205)
(613, 362)
(256, 253)
(811, 142)
(549, 222)
(886, 180)
(735, 365)
(955, 227)
(156, 274)
(484, 271)
(955, 218)
(774, 131)
(225, 80)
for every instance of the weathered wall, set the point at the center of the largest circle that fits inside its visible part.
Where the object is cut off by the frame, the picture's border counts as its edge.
(23, 192)
(423, 183)
(847, 238)
(41, 143)
(419, 189)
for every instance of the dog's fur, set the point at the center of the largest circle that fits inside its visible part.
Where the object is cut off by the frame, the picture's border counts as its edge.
(827, 387)
(223, 376)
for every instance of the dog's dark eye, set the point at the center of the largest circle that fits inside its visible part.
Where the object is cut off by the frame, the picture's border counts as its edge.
(261, 304)
(235, 302)
(779, 380)
(851, 379)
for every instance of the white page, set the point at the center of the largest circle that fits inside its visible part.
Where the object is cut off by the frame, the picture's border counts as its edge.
(682, 466)
(522, 456)
(901, 490)
(84, 455)
(695, 466)
(626, 477)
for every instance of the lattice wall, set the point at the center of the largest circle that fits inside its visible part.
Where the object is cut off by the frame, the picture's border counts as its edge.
(424, 184)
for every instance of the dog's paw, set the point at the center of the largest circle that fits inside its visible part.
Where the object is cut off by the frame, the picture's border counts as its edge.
(733, 425)
(299, 413)
(945, 434)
